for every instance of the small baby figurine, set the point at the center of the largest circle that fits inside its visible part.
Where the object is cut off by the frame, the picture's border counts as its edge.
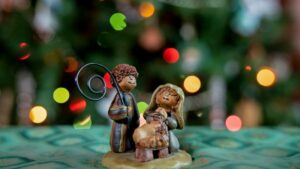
(125, 117)
(163, 114)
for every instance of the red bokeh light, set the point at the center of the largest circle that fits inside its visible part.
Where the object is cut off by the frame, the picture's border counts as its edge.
(24, 51)
(24, 57)
(233, 123)
(171, 55)
(107, 80)
(78, 105)
(23, 45)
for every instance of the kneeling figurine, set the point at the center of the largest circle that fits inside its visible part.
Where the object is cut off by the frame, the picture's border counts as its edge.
(155, 138)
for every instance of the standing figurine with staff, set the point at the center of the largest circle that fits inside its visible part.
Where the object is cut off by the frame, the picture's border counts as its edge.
(123, 109)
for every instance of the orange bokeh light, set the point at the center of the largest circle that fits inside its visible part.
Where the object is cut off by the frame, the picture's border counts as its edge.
(146, 9)
(248, 68)
(72, 65)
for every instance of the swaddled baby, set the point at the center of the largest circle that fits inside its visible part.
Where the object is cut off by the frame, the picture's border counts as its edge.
(153, 134)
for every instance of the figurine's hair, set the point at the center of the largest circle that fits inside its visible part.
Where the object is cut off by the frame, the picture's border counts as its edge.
(123, 70)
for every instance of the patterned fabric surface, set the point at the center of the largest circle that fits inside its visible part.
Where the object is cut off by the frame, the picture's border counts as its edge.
(64, 147)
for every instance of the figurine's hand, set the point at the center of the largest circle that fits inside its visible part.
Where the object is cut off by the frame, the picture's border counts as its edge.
(162, 111)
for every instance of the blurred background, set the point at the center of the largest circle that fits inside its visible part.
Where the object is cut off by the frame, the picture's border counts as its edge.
(238, 61)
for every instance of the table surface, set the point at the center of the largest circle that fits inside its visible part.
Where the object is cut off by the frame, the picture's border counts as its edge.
(64, 147)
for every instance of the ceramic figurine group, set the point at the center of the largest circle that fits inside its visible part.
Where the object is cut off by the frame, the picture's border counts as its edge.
(133, 145)
(154, 139)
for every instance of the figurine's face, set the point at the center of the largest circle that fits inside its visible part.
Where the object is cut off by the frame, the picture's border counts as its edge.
(167, 98)
(128, 83)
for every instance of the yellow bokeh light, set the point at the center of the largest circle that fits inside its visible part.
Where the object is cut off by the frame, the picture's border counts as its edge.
(266, 77)
(146, 9)
(38, 114)
(61, 95)
(192, 84)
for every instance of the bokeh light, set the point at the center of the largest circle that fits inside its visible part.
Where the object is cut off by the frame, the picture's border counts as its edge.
(117, 21)
(71, 64)
(24, 57)
(248, 68)
(192, 57)
(23, 47)
(142, 106)
(85, 123)
(23, 44)
(192, 84)
(233, 123)
(171, 55)
(78, 105)
(38, 114)
(152, 39)
(107, 80)
(146, 9)
(199, 114)
(61, 95)
(266, 77)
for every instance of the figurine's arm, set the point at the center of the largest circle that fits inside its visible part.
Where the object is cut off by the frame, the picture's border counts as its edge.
(117, 110)
(171, 122)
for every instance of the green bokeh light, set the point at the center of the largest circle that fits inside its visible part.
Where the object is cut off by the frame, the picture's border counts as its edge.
(142, 106)
(85, 123)
(117, 21)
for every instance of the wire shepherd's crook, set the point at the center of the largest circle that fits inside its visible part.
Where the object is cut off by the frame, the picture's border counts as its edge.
(96, 76)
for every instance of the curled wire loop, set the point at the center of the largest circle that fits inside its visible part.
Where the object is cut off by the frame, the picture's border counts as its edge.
(94, 93)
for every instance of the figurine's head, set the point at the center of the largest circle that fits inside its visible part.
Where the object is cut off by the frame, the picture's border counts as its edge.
(167, 97)
(171, 97)
(125, 76)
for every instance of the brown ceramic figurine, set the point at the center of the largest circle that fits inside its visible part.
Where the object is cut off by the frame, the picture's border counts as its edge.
(163, 114)
(125, 116)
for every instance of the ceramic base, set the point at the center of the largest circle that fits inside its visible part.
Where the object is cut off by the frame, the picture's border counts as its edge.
(127, 161)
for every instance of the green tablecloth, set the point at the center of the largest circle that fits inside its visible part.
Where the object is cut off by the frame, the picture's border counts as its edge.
(65, 147)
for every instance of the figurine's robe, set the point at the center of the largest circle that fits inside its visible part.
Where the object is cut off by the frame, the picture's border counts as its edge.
(125, 121)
